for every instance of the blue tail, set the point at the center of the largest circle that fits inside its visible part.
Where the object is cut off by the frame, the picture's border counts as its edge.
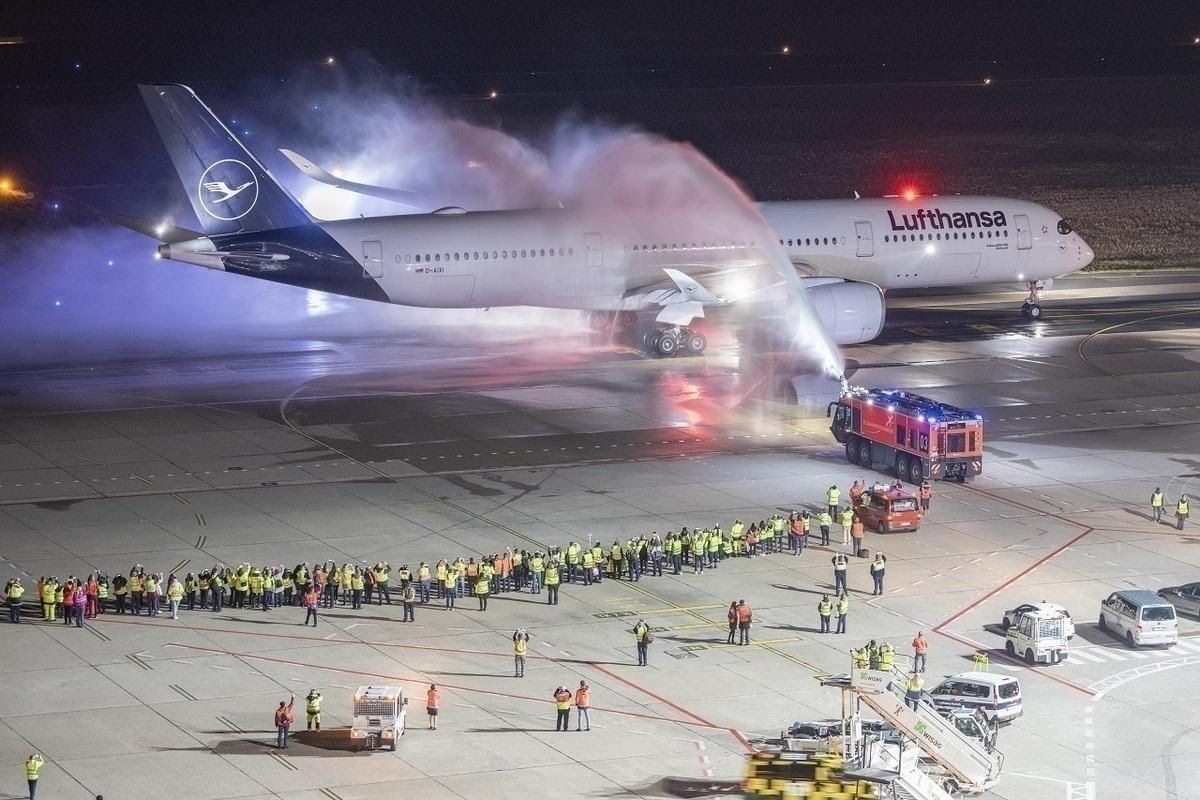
(230, 190)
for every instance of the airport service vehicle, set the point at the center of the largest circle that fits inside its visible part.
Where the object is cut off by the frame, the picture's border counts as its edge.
(907, 434)
(1185, 598)
(1012, 615)
(1040, 637)
(379, 713)
(1140, 617)
(885, 509)
(601, 259)
(998, 695)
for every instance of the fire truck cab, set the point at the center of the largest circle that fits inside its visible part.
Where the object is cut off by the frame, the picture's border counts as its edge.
(907, 435)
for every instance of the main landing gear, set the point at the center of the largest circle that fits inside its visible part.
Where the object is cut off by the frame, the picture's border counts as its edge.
(1031, 308)
(675, 339)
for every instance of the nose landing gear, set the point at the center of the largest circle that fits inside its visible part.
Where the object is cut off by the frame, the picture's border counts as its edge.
(675, 339)
(1032, 308)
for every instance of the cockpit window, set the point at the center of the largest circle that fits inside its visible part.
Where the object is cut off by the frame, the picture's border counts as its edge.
(1064, 227)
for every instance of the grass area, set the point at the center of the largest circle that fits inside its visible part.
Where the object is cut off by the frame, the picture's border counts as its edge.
(1142, 264)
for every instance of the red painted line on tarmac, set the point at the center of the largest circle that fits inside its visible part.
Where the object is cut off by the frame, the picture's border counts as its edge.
(422, 680)
(1087, 529)
(703, 722)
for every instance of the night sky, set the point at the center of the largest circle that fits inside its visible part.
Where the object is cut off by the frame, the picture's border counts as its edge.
(71, 116)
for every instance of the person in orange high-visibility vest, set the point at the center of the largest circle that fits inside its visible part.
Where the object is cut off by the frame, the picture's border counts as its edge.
(583, 698)
(432, 698)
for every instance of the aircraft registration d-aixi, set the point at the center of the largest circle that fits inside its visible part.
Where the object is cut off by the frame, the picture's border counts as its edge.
(845, 252)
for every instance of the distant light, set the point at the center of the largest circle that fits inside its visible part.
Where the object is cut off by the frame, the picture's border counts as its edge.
(160, 229)
(54, 205)
(329, 61)
(5, 186)
(920, 417)
(891, 408)
(245, 133)
(233, 122)
(316, 107)
(57, 303)
(77, 65)
(786, 50)
(987, 81)
(493, 94)
(1196, 40)
(909, 193)
(870, 401)
(930, 249)
(110, 262)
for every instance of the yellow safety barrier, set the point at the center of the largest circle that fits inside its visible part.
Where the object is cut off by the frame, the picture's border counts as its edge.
(980, 661)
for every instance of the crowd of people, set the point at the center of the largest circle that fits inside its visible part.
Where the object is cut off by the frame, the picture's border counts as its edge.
(517, 569)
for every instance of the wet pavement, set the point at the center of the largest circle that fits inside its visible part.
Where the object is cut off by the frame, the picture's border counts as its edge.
(430, 441)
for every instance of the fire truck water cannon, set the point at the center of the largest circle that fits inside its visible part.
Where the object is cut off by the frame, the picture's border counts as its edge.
(905, 434)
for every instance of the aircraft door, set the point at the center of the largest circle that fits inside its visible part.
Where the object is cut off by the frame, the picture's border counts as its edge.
(866, 241)
(1024, 235)
(593, 248)
(372, 259)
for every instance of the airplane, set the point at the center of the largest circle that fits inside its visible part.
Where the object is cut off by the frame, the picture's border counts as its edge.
(613, 264)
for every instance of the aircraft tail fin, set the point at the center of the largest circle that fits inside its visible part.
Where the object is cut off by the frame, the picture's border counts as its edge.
(229, 189)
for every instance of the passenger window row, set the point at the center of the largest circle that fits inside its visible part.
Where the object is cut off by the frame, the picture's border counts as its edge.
(938, 237)
(813, 241)
(484, 255)
(653, 248)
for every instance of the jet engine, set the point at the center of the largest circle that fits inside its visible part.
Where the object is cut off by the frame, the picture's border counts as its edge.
(852, 312)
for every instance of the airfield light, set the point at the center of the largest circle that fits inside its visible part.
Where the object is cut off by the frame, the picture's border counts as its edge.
(493, 94)
(1196, 40)
(786, 50)
(110, 262)
(329, 61)
(987, 81)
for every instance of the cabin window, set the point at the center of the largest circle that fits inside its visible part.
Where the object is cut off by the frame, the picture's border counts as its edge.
(437, 256)
(957, 442)
(901, 435)
(570, 251)
(971, 442)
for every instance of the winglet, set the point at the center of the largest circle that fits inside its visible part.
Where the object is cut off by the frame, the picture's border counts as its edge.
(403, 197)
(691, 288)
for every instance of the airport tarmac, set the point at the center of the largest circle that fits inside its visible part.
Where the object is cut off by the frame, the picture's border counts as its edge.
(412, 445)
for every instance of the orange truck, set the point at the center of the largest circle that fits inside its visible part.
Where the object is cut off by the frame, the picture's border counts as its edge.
(886, 509)
(907, 435)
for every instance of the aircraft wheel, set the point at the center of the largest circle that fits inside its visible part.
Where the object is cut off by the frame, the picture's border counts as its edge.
(628, 318)
(599, 322)
(696, 344)
(1035, 311)
(666, 343)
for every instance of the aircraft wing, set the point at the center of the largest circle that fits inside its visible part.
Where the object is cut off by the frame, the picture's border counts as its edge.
(402, 197)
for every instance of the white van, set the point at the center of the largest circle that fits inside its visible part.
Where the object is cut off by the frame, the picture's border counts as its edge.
(998, 695)
(1140, 617)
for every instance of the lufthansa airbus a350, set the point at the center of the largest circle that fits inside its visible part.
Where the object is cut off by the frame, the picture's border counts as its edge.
(612, 266)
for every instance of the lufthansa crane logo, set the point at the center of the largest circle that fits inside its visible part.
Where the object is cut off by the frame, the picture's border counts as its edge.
(228, 189)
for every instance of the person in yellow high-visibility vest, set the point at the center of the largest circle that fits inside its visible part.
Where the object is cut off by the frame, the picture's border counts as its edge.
(1181, 511)
(33, 768)
(1156, 503)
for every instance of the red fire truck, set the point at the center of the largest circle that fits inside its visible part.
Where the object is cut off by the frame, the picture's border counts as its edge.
(907, 434)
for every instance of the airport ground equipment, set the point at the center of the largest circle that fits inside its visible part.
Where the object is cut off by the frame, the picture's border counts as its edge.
(1039, 637)
(378, 718)
(955, 746)
(907, 435)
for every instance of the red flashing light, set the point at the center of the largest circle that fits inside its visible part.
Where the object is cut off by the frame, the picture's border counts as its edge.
(909, 193)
